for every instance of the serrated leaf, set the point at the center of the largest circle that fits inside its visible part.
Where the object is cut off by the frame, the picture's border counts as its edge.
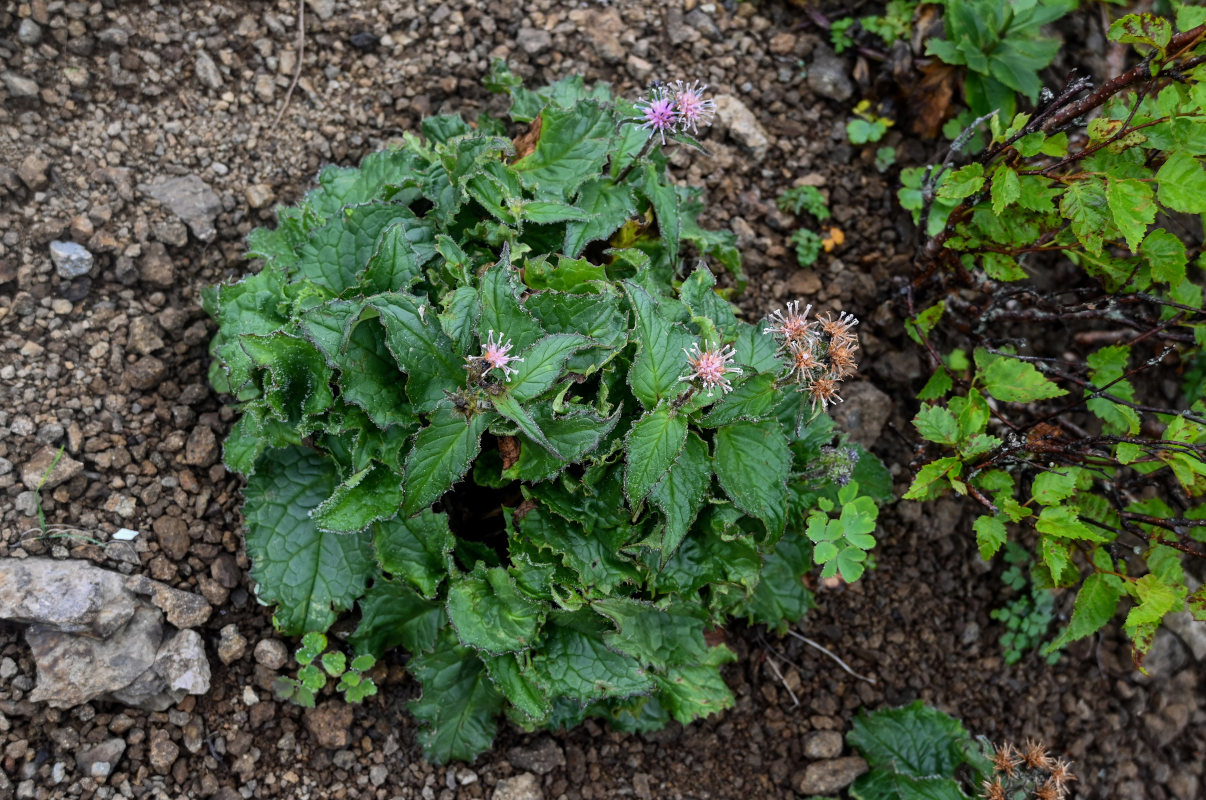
(652, 446)
(441, 456)
(595, 557)
(698, 293)
(416, 549)
(752, 461)
(756, 349)
(937, 424)
(884, 785)
(573, 146)
(1166, 255)
(1002, 267)
(667, 208)
(372, 494)
(1017, 381)
(577, 663)
(1085, 206)
(1196, 603)
(457, 710)
(490, 613)
(1142, 29)
(990, 535)
(781, 599)
(1064, 522)
(1052, 487)
(501, 309)
(937, 386)
(597, 316)
(298, 383)
(542, 364)
(459, 318)
(1095, 605)
(924, 322)
(1182, 184)
(934, 478)
(660, 362)
(913, 740)
(607, 206)
(1155, 599)
(574, 435)
(752, 399)
(963, 182)
(1006, 188)
(681, 492)
(515, 411)
(337, 252)
(1132, 203)
(691, 692)
(309, 574)
(392, 614)
(421, 348)
(518, 684)
(544, 212)
(397, 261)
(658, 636)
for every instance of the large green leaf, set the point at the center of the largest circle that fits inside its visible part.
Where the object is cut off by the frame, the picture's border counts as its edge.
(490, 613)
(652, 446)
(515, 411)
(441, 455)
(299, 380)
(396, 261)
(573, 146)
(574, 435)
(364, 497)
(458, 709)
(1017, 381)
(340, 250)
(416, 549)
(392, 614)
(1182, 184)
(501, 309)
(667, 208)
(598, 316)
(652, 635)
(309, 574)
(681, 492)
(594, 557)
(1084, 204)
(518, 683)
(250, 306)
(608, 207)
(422, 350)
(752, 461)
(781, 598)
(914, 740)
(542, 364)
(1095, 605)
(884, 785)
(577, 663)
(1132, 204)
(751, 399)
(655, 372)
(697, 690)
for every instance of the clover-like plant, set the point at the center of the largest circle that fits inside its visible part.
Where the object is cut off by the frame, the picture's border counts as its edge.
(478, 400)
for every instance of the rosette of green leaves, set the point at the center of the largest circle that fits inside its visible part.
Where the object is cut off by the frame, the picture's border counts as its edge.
(607, 514)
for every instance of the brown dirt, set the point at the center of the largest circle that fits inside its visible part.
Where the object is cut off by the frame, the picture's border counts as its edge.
(113, 366)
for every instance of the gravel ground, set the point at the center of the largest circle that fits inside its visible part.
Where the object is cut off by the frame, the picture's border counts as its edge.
(147, 133)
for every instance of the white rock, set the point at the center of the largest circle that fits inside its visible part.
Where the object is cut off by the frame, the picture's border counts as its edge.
(71, 260)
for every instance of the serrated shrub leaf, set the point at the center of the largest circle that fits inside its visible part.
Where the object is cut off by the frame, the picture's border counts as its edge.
(363, 498)
(441, 456)
(518, 684)
(577, 663)
(691, 692)
(652, 446)
(752, 461)
(459, 702)
(393, 614)
(1095, 605)
(606, 206)
(490, 613)
(1017, 381)
(913, 740)
(781, 598)
(661, 360)
(542, 365)
(415, 549)
(681, 491)
(421, 349)
(308, 573)
(342, 249)
(573, 145)
(990, 535)
(298, 383)
(651, 635)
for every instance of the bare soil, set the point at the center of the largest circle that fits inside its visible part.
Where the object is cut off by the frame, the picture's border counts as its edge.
(112, 365)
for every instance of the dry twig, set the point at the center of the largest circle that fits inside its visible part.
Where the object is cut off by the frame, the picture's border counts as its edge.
(301, 52)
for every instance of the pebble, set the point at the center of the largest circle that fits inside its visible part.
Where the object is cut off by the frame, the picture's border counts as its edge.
(121, 505)
(99, 760)
(146, 373)
(144, 337)
(71, 260)
(32, 172)
(827, 76)
(207, 71)
(742, 125)
(37, 472)
(173, 537)
(524, 786)
(330, 724)
(259, 195)
(189, 198)
(8, 668)
(542, 756)
(828, 777)
(164, 752)
(201, 449)
(533, 40)
(29, 32)
(271, 653)
(19, 85)
(823, 744)
(323, 9)
(232, 645)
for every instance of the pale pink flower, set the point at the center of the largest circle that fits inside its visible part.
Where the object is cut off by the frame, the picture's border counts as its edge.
(496, 355)
(658, 113)
(793, 326)
(693, 110)
(711, 367)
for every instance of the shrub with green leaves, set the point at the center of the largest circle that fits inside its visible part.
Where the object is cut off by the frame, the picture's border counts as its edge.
(317, 664)
(1060, 299)
(480, 402)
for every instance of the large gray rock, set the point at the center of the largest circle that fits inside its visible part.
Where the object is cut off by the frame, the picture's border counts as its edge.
(95, 633)
(190, 199)
(71, 260)
(70, 596)
(742, 125)
(863, 412)
(1189, 630)
(827, 76)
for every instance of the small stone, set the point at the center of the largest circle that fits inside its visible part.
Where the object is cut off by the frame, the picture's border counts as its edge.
(114, 37)
(121, 505)
(524, 786)
(26, 504)
(250, 698)
(207, 71)
(264, 88)
(37, 473)
(225, 570)
(99, 760)
(8, 668)
(51, 433)
(172, 533)
(164, 752)
(742, 125)
(29, 32)
(232, 645)
(823, 744)
(827, 76)
(331, 724)
(82, 228)
(828, 777)
(182, 609)
(271, 653)
(259, 195)
(541, 757)
(782, 43)
(61, 306)
(189, 198)
(533, 41)
(378, 773)
(201, 449)
(156, 266)
(32, 172)
(146, 373)
(323, 9)
(144, 337)
(19, 85)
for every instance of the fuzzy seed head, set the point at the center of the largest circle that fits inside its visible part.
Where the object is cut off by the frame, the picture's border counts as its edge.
(824, 391)
(792, 326)
(693, 110)
(839, 329)
(711, 367)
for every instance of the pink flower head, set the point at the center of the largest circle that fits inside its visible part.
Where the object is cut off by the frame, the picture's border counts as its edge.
(793, 326)
(658, 113)
(495, 354)
(693, 110)
(711, 367)
(839, 329)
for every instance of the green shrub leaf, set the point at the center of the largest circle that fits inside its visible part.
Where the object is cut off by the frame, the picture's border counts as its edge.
(652, 446)
(458, 706)
(490, 613)
(441, 456)
(752, 461)
(416, 549)
(392, 614)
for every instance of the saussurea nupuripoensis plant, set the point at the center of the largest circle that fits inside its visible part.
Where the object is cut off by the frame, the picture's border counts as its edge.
(480, 402)
(1082, 221)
